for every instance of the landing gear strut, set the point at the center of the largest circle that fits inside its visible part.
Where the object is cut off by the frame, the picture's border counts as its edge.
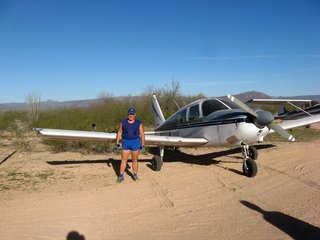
(248, 151)
(249, 166)
(157, 161)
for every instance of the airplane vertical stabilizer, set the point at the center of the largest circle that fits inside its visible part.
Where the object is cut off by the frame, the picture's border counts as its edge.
(158, 115)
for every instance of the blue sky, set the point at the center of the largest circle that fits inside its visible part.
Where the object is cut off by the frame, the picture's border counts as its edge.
(73, 49)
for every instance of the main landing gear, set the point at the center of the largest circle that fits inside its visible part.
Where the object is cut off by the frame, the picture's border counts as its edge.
(249, 166)
(157, 161)
(250, 154)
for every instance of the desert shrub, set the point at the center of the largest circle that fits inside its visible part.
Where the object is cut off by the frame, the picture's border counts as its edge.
(80, 146)
(66, 118)
(106, 114)
(9, 119)
(20, 140)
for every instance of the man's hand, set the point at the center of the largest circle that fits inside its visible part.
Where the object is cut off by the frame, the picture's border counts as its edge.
(117, 147)
(142, 148)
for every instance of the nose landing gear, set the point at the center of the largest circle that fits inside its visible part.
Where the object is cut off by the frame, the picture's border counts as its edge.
(249, 166)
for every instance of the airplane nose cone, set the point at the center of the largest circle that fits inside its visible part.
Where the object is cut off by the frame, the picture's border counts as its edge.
(263, 119)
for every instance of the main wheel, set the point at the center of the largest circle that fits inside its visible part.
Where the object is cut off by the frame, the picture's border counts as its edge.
(156, 163)
(253, 153)
(249, 168)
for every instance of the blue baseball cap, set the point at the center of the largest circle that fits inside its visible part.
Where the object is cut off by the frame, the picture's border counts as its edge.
(131, 111)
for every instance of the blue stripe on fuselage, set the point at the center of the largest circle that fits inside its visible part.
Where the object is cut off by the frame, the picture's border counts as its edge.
(200, 123)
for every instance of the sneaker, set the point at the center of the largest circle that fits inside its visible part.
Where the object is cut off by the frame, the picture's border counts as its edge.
(120, 179)
(135, 178)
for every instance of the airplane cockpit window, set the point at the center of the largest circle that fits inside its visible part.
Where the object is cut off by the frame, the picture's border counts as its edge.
(212, 105)
(194, 112)
(181, 117)
(178, 118)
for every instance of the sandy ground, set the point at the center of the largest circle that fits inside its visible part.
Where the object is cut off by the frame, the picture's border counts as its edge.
(198, 194)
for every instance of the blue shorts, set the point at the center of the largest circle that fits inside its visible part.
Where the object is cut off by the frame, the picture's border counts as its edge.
(131, 144)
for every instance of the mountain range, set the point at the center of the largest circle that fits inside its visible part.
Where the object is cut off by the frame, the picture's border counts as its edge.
(50, 104)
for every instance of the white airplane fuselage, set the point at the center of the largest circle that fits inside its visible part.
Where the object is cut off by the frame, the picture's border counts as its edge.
(224, 134)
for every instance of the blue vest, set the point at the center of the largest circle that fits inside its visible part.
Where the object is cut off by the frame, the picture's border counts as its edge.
(130, 131)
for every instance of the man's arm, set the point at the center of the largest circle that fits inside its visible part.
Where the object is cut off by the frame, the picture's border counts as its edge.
(119, 134)
(141, 130)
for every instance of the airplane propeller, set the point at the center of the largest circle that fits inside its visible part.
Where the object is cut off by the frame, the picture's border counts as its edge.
(262, 119)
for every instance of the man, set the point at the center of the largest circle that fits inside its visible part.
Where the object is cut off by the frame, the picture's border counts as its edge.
(131, 132)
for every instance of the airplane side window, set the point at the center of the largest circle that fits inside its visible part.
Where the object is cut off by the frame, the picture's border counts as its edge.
(211, 106)
(182, 116)
(194, 112)
(177, 118)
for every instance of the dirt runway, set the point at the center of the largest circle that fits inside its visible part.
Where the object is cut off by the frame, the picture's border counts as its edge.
(198, 194)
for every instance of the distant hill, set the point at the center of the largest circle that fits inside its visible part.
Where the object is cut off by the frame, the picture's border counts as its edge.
(50, 104)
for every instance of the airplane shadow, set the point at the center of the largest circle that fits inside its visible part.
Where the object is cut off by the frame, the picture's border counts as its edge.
(208, 158)
(172, 156)
(295, 228)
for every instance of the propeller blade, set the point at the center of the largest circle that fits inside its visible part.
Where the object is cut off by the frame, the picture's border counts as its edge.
(281, 131)
(242, 105)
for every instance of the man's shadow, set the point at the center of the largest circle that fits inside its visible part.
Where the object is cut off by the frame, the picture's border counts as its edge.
(73, 235)
(111, 162)
(295, 228)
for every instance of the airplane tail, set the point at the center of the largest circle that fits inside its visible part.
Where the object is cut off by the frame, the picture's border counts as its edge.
(158, 115)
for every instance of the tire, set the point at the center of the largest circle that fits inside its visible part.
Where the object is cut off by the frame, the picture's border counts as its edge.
(156, 163)
(253, 153)
(249, 168)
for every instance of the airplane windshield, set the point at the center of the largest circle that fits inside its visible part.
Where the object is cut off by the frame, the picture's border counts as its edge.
(229, 103)
(212, 105)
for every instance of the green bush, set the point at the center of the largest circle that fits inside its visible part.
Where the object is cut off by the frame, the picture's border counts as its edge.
(9, 119)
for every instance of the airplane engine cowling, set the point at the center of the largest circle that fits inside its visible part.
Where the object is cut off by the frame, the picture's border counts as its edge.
(263, 119)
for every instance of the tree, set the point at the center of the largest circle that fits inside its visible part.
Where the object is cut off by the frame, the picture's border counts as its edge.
(33, 101)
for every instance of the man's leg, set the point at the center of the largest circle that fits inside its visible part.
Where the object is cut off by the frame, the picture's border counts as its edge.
(135, 156)
(124, 159)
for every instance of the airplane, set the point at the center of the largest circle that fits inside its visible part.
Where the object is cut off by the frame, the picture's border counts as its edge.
(204, 123)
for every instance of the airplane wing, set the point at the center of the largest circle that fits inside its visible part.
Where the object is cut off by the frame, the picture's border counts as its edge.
(72, 135)
(299, 122)
(274, 101)
(170, 141)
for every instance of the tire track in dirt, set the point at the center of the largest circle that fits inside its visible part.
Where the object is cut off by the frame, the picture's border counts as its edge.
(299, 179)
(161, 194)
(301, 166)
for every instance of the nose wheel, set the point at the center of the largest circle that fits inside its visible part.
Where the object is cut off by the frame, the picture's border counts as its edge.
(249, 166)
